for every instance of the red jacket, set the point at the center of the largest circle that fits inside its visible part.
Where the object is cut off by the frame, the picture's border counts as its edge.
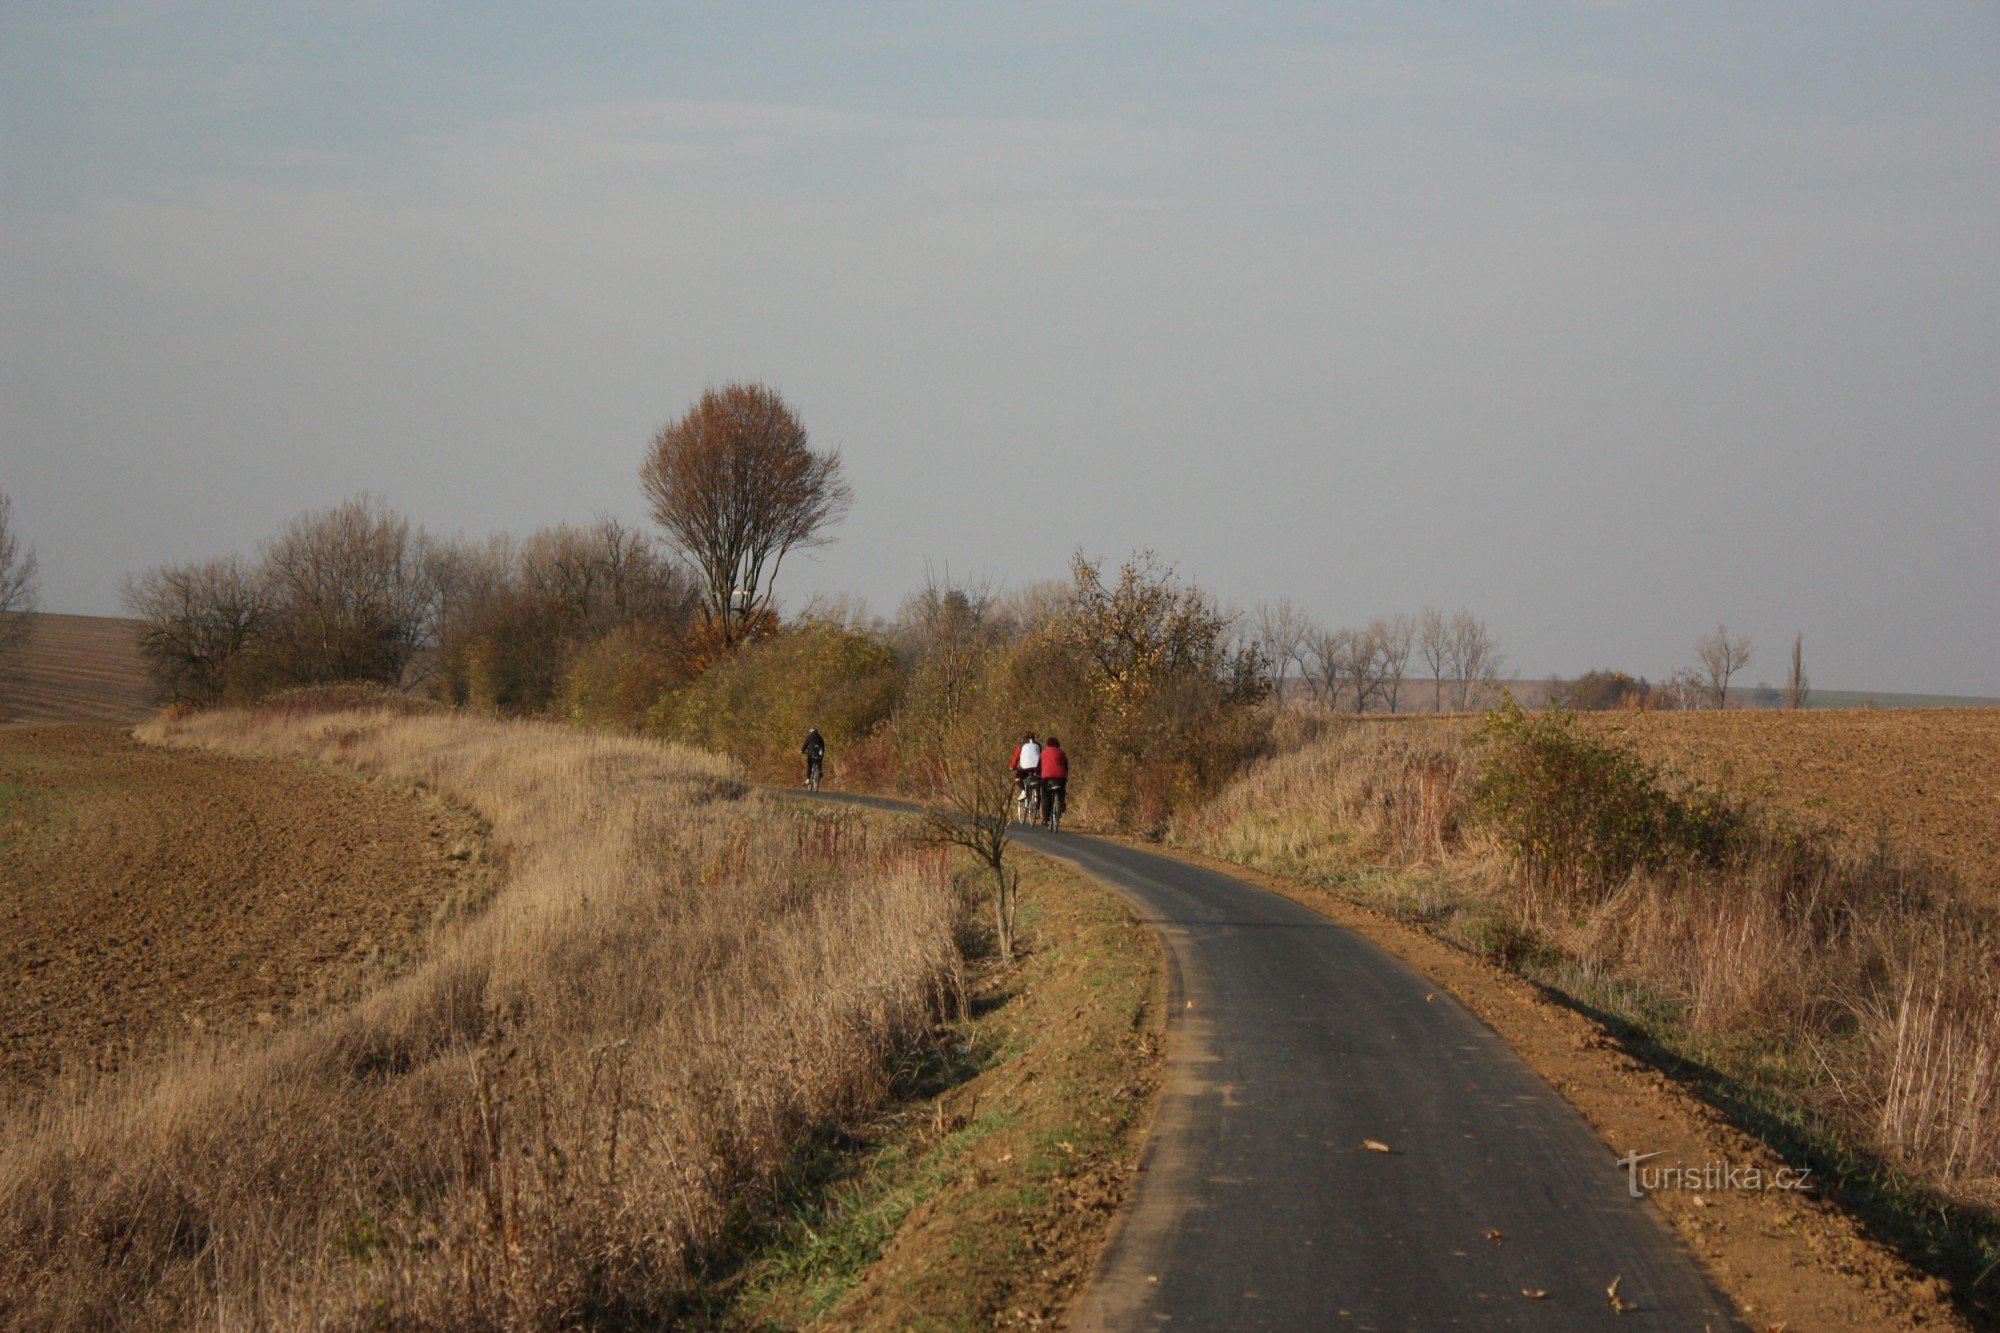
(1017, 759)
(1055, 764)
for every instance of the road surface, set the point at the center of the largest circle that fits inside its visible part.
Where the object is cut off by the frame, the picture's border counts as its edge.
(1292, 1044)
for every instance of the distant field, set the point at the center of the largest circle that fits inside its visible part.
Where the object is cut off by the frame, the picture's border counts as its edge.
(1929, 776)
(77, 669)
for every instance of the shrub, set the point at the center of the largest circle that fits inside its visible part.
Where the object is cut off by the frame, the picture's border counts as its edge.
(618, 679)
(1576, 814)
(758, 704)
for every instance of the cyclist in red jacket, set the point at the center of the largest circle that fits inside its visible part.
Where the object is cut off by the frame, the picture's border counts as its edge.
(1055, 783)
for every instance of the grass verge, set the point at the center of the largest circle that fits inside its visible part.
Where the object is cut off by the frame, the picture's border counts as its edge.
(982, 1197)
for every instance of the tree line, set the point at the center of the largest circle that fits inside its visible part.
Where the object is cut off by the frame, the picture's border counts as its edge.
(1371, 667)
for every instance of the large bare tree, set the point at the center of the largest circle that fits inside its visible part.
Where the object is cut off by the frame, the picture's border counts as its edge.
(736, 485)
(20, 592)
(350, 593)
(1797, 688)
(196, 621)
(1721, 655)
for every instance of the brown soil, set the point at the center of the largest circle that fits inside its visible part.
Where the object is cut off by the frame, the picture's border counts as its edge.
(1789, 1259)
(77, 669)
(1928, 777)
(148, 893)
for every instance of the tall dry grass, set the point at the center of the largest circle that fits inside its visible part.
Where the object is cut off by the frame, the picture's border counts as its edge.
(1861, 961)
(550, 1121)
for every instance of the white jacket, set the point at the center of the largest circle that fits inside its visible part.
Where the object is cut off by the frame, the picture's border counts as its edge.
(1031, 756)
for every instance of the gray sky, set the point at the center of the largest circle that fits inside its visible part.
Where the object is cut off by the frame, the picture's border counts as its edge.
(1607, 320)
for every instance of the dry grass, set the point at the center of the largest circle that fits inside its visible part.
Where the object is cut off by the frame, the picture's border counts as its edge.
(553, 1119)
(1860, 961)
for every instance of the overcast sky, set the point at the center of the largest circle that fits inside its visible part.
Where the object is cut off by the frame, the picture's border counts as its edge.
(1606, 320)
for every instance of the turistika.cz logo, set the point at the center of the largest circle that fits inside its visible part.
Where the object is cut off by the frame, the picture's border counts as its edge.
(1713, 1177)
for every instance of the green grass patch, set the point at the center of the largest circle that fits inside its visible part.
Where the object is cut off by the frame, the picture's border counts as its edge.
(987, 1186)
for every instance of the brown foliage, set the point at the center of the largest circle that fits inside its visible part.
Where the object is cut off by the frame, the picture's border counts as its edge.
(737, 486)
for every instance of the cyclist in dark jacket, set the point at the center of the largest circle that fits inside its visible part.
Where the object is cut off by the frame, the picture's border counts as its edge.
(815, 752)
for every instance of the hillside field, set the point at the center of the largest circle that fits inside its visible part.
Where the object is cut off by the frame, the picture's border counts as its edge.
(1927, 777)
(77, 669)
(148, 894)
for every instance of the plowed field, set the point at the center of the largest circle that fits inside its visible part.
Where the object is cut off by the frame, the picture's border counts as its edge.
(77, 669)
(147, 893)
(1929, 777)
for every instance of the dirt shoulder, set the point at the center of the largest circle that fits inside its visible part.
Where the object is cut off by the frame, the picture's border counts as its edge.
(149, 893)
(1787, 1258)
(984, 1198)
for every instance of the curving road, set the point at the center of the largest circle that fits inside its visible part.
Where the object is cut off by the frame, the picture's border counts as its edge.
(1291, 1044)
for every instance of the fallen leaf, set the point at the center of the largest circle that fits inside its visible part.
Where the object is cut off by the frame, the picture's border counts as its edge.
(1534, 1293)
(1700, 1202)
(1493, 1233)
(1372, 1146)
(1612, 1291)
(1430, 997)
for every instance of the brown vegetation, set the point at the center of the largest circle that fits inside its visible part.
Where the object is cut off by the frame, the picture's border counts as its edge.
(737, 487)
(147, 894)
(556, 1115)
(1845, 988)
(77, 669)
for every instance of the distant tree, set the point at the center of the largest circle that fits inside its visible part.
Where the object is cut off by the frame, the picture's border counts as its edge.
(1719, 656)
(1145, 631)
(1797, 688)
(20, 592)
(1332, 654)
(198, 625)
(736, 486)
(1393, 639)
(1434, 649)
(1598, 691)
(1283, 635)
(1476, 659)
(349, 594)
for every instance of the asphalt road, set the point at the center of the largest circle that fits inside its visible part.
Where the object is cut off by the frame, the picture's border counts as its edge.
(1291, 1044)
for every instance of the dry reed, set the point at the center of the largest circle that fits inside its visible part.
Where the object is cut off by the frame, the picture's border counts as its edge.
(551, 1120)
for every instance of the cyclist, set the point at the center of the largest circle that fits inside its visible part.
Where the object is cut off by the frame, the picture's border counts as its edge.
(815, 752)
(1027, 772)
(1055, 783)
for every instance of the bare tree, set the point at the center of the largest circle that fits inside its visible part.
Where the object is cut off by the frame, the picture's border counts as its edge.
(1476, 659)
(1284, 636)
(196, 622)
(971, 793)
(349, 596)
(1333, 660)
(1797, 688)
(737, 486)
(1393, 640)
(1719, 656)
(20, 590)
(1434, 648)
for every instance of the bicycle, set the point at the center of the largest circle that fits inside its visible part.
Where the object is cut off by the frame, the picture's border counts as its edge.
(1055, 797)
(815, 767)
(1027, 799)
